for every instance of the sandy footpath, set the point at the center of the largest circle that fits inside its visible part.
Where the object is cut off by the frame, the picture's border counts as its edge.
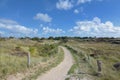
(59, 72)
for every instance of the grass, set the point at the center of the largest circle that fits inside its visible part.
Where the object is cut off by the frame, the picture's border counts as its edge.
(108, 53)
(11, 62)
(75, 65)
(74, 69)
(52, 63)
(46, 54)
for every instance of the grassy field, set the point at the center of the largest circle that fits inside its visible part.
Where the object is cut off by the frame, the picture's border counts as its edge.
(45, 54)
(51, 62)
(13, 58)
(86, 65)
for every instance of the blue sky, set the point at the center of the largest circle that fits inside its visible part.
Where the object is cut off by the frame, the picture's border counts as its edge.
(43, 18)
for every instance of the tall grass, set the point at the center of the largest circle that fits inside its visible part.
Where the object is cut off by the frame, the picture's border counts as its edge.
(108, 53)
(11, 62)
(51, 62)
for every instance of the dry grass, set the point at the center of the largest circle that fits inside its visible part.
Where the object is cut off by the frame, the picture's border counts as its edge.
(12, 63)
(106, 52)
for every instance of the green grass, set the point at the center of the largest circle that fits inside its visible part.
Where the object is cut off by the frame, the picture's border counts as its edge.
(72, 69)
(11, 62)
(57, 59)
(108, 53)
(75, 65)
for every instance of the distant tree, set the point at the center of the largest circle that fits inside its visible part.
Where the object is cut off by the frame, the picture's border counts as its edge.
(85, 37)
(42, 38)
(11, 37)
(50, 38)
(64, 39)
(21, 38)
(36, 38)
(77, 37)
(27, 37)
(57, 38)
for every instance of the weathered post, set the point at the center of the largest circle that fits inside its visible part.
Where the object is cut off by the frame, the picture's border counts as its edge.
(28, 59)
(99, 64)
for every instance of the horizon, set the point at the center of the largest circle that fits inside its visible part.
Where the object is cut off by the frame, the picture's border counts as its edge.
(85, 37)
(45, 18)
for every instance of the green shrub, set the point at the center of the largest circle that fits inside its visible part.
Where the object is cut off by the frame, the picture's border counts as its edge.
(33, 51)
(47, 50)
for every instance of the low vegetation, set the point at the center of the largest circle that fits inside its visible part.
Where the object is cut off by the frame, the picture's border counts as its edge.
(13, 57)
(45, 54)
(86, 54)
(51, 62)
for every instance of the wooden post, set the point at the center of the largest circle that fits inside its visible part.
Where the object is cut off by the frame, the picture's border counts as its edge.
(28, 59)
(99, 67)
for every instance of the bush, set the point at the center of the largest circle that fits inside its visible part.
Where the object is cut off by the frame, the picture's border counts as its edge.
(33, 51)
(47, 50)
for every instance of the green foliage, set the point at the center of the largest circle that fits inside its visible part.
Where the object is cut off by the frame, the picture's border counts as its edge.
(33, 51)
(18, 48)
(11, 62)
(53, 62)
(36, 38)
(72, 69)
(47, 50)
(107, 53)
(50, 38)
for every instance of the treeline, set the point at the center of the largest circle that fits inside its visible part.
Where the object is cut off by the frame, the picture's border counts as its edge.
(66, 38)
(60, 37)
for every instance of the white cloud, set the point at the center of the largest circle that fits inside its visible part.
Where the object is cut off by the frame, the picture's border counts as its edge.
(68, 4)
(83, 1)
(7, 21)
(43, 17)
(47, 30)
(76, 11)
(13, 26)
(64, 4)
(96, 28)
(86, 1)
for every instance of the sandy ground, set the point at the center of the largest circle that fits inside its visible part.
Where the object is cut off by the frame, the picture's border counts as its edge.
(59, 72)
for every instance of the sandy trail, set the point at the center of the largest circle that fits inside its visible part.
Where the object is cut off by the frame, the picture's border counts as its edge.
(59, 72)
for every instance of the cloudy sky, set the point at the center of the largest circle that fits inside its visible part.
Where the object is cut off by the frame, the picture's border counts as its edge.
(43, 18)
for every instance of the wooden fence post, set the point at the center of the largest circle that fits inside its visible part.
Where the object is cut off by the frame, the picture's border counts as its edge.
(28, 59)
(99, 64)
